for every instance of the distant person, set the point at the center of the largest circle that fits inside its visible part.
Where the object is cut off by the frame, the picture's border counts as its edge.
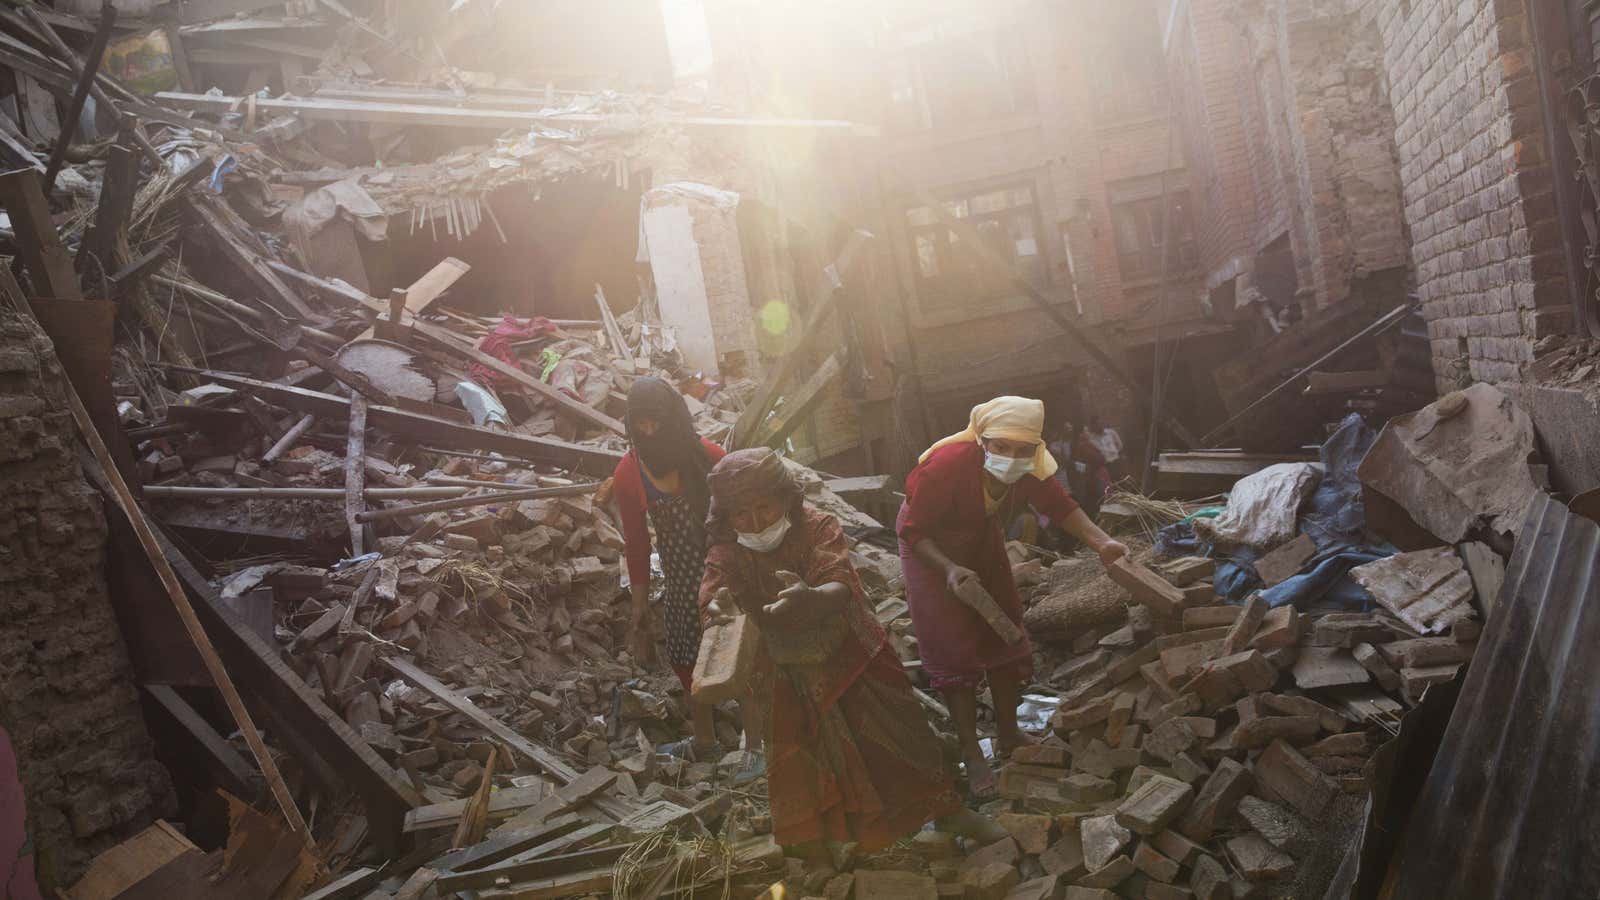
(957, 498)
(1109, 443)
(1094, 476)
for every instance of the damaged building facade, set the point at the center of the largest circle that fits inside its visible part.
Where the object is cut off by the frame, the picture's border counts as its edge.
(354, 294)
(1359, 151)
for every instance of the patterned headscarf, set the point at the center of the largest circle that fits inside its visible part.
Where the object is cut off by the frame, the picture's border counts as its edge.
(746, 475)
(1010, 419)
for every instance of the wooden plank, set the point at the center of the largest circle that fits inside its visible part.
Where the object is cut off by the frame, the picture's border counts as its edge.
(180, 58)
(452, 342)
(428, 288)
(494, 497)
(546, 838)
(221, 752)
(180, 601)
(547, 761)
(129, 862)
(225, 226)
(502, 804)
(613, 333)
(43, 254)
(349, 885)
(475, 816)
(822, 306)
(355, 474)
(11, 136)
(799, 404)
(315, 109)
(528, 870)
(80, 93)
(416, 425)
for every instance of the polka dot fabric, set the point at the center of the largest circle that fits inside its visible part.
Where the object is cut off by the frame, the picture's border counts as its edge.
(682, 545)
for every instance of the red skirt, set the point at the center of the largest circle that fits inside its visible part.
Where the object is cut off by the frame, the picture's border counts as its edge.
(868, 768)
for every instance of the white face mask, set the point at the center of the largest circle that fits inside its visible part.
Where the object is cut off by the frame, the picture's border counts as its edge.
(765, 541)
(1008, 470)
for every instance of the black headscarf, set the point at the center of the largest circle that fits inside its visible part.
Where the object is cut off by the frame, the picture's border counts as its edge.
(675, 447)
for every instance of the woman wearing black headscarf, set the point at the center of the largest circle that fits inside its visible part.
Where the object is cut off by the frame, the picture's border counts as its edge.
(661, 483)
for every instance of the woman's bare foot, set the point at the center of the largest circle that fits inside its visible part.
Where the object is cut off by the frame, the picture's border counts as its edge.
(1008, 743)
(981, 781)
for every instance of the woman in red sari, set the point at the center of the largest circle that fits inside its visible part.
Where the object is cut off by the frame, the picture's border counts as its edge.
(964, 488)
(850, 753)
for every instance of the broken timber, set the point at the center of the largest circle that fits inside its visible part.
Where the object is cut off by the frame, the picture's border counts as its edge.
(423, 427)
(822, 307)
(457, 117)
(453, 342)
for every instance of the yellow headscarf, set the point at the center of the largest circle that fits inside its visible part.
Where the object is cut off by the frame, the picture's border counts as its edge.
(1009, 419)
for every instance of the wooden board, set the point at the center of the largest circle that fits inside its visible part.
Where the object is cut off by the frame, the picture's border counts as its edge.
(237, 769)
(124, 865)
(546, 760)
(333, 408)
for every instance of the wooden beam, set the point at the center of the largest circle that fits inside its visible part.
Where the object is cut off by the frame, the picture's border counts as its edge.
(800, 403)
(386, 793)
(180, 601)
(436, 431)
(80, 93)
(538, 867)
(224, 226)
(493, 497)
(546, 760)
(822, 306)
(239, 773)
(111, 213)
(430, 287)
(10, 135)
(453, 342)
(355, 474)
(314, 109)
(76, 66)
(42, 252)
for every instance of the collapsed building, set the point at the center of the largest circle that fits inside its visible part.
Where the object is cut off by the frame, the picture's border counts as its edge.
(342, 302)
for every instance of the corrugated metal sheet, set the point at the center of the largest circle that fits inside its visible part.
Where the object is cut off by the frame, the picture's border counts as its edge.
(1511, 808)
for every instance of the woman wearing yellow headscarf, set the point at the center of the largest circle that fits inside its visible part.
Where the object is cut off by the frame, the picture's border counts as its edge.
(963, 490)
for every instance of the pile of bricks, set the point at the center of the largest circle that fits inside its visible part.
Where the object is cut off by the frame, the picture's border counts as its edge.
(1200, 745)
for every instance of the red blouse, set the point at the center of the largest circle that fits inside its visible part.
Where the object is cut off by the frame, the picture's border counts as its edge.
(946, 494)
(633, 505)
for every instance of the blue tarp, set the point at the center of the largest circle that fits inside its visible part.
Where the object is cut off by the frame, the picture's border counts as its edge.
(1334, 518)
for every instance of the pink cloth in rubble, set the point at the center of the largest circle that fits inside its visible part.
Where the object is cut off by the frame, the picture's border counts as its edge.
(498, 343)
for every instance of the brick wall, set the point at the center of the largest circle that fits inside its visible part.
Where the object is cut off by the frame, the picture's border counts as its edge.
(1479, 194)
(1287, 115)
(67, 695)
